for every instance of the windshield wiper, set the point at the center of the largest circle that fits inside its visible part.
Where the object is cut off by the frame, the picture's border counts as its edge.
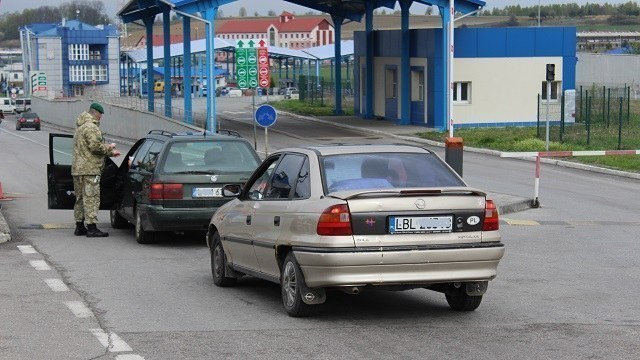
(194, 172)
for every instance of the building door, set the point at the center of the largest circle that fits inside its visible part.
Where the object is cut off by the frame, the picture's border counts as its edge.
(78, 90)
(391, 93)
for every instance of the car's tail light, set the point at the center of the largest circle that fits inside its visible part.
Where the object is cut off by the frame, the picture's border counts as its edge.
(491, 220)
(335, 220)
(37, 120)
(165, 191)
(22, 120)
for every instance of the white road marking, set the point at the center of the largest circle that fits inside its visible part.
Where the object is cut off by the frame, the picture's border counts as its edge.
(111, 341)
(79, 309)
(25, 138)
(129, 357)
(56, 285)
(27, 249)
(234, 112)
(39, 265)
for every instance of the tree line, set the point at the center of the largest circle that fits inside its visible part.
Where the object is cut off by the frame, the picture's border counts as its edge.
(91, 12)
(568, 10)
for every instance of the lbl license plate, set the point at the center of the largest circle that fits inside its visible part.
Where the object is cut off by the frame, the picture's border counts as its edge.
(206, 192)
(420, 224)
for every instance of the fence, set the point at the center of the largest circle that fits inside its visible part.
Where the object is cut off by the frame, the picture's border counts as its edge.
(605, 117)
(316, 90)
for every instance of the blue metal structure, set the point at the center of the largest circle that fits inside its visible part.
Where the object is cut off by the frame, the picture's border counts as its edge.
(340, 11)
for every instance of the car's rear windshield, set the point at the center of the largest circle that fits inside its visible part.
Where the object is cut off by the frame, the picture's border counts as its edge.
(386, 171)
(226, 156)
(29, 115)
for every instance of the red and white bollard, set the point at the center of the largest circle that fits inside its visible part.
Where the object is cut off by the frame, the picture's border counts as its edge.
(536, 185)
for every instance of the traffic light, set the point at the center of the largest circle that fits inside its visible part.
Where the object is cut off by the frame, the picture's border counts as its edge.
(551, 72)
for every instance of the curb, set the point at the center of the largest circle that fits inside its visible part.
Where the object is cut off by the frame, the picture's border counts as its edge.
(515, 207)
(5, 234)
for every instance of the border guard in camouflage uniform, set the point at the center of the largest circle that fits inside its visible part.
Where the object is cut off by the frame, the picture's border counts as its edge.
(89, 152)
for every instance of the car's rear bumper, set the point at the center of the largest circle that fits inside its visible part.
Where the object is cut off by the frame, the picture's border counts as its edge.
(158, 218)
(25, 125)
(357, 267)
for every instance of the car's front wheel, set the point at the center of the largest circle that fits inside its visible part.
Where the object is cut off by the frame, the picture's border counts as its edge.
(117, 221)
(142, 236)
(459, 300)
(290, 283)
(219, 263)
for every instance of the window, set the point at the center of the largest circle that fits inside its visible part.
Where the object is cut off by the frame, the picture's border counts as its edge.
(391, 88)
(79, 52)
(555, 90)
(303, 187)
(285, 177)
(417, 85)
(258, 188)
(462, 92)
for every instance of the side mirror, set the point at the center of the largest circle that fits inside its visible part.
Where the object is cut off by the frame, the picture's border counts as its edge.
(231, 190)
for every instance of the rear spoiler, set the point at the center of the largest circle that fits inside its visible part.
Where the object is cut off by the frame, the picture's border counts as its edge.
(346, 195)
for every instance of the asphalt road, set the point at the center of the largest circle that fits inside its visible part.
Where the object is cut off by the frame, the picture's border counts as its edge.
(566, 288)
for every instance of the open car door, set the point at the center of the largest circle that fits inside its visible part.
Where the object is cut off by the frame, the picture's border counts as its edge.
(60, 182)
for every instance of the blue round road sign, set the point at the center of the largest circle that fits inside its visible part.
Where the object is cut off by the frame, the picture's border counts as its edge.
(266, 115)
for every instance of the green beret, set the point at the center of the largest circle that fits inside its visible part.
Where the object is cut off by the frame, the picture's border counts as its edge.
(97, 107)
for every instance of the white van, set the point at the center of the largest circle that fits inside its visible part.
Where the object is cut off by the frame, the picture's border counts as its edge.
(23, 105)
(7, 105)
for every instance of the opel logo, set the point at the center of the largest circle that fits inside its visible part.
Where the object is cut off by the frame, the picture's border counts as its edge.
(214, 178)
(420, 204)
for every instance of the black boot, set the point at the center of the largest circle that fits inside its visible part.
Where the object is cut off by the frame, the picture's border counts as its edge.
(80, 229)
(93, 231)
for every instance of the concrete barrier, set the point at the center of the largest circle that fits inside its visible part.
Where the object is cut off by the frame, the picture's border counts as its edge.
(118, 120)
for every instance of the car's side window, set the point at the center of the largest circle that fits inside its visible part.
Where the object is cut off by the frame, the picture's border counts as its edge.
(150, 160)
(303, 186)
(285, 177)
(143, 150)
(258, 188)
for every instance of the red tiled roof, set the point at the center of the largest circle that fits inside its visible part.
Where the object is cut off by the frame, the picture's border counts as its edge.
(286, 13)
(262, 25)
(304, 24)
(246, 26)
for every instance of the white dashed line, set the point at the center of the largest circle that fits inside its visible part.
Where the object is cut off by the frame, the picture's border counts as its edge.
(129, 357)
(56, 285)
(79, 309)
(111, 341)
(27, 249)
(39, 265)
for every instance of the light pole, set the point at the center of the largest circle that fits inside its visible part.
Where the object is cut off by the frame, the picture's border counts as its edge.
(539, 13)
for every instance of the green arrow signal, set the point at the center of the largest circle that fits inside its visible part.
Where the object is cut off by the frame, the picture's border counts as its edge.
(240, 44)
(251, 43)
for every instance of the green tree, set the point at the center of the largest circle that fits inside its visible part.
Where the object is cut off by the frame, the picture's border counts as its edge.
(242, 12)
(271, 13)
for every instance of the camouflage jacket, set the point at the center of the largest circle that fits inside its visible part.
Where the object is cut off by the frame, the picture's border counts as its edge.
(89, 149)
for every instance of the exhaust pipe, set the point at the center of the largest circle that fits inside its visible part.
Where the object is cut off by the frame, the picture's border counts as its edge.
(351, 290)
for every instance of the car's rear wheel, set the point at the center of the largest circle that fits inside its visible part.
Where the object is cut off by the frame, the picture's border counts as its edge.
(17, 127)
(117, 221)
(142, 236)
(459, 300)
(38, 128)
(290, 283)
(219, 263)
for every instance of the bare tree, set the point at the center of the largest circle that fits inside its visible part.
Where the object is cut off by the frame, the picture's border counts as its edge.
(242, 12)
(271, 13)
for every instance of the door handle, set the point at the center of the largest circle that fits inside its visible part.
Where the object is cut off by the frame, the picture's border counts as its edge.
(276, 221)
(248, 219)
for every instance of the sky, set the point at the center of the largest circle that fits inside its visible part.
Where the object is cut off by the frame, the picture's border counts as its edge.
(113, 6)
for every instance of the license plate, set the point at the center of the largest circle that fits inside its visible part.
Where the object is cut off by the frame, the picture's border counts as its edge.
(206, 192)
(420, 224)
(29, 120)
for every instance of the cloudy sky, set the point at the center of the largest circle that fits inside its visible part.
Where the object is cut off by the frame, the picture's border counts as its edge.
(278, 5)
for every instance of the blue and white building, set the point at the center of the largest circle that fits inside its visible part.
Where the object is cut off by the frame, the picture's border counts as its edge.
(498, 74)
(76, 57)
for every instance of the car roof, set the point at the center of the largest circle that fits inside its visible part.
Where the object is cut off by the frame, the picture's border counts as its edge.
(337, 149)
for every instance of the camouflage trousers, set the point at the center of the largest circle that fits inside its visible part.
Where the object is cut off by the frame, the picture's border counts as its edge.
(87, 191)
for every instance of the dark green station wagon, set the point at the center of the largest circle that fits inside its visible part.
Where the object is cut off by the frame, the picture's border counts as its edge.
(166, 182)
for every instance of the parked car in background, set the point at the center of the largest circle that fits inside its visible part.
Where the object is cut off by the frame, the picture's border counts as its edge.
(28, 120)
(353, 217)
(7, 105)
(166, 183)
(293, 95)
(289, 92)
(235, 92)
(23, 104)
